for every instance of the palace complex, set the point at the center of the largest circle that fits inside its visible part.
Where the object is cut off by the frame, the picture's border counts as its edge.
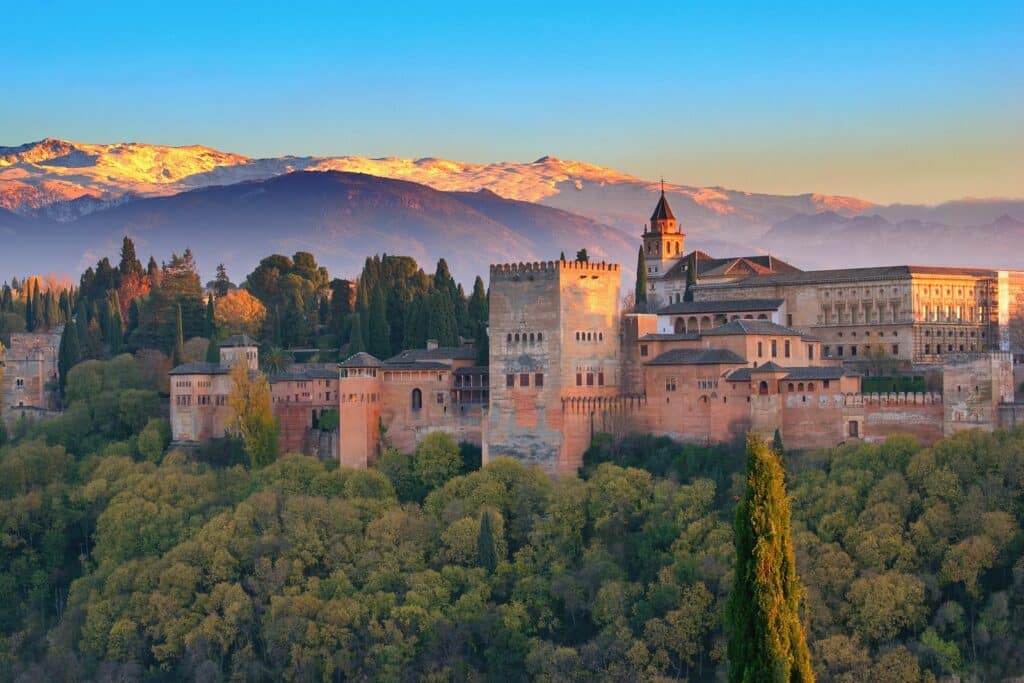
(722, 346)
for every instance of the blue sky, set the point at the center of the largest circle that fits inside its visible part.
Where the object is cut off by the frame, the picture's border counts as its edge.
(887, 101)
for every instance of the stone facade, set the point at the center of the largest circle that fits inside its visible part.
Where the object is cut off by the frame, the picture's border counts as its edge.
(553, 336)
(28, 375)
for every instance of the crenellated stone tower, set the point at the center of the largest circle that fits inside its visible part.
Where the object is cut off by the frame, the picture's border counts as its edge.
(553, 337)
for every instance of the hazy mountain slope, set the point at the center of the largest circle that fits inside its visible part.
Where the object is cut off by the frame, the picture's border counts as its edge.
(828, 240)
(340, 217)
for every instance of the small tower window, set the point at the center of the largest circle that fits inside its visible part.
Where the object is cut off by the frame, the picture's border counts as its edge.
(417, 399)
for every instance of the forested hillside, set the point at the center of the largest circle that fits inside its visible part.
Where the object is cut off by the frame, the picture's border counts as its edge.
(122, 560)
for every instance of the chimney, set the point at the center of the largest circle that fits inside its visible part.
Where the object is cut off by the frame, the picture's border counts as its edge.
(431, 344)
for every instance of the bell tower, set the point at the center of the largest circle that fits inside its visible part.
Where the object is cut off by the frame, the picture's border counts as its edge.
(663, 240)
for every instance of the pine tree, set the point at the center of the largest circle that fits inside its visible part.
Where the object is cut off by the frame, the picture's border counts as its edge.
(486, 555)
(221, 283)
(179, 341)
(766, 637)
(130, 264)
(640, 295)
(582, 256)
(561, 256)
(153, 271)
(68, 355)
(355, 340)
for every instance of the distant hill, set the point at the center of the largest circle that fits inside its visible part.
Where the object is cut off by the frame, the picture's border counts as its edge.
(340, 217)
(829, 240)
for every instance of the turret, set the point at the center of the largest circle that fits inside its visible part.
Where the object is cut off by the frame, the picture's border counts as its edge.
(663, 240)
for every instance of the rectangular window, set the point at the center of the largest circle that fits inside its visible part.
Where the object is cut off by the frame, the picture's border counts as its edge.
(839, 350)
(854, 429)
(524, 379)
(579, 379)
(760, 350)
(590, 379)
(775, 348)
(643, 349)
(826, 384)
(600, 379)
(785, 346)
(810, 352)
(853, 350)
(440, 398)
(670, 384)
(895, 349)
(538, 379)
(827, 351)
(510, 380)
(789, 320)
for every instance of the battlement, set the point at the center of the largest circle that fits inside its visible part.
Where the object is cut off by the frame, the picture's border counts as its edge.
(881, 400)
(548, 269)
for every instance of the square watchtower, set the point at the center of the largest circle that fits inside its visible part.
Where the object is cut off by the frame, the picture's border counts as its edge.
(553, 333)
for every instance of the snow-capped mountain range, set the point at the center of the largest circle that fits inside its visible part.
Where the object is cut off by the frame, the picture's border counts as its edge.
(90, 190)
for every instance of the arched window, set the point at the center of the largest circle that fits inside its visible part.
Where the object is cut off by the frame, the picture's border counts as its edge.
(790, 387)
(540, 336)
(509, 338)
(417, 399)
(810, 386)
(762, 388)
(680, 326)
(517, 336)
(531, 337)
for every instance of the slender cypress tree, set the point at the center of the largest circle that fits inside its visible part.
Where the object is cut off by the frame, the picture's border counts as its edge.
(691, 277)
(379, 341)
(179, 340)
(355, 340)
(68, 355)
(766, 638)
(640, 296)
(777, 445)
(212, 351)
(82, 329)
(486, 555)
(211, 320)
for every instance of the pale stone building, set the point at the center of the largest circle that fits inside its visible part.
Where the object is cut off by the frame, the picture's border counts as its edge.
(28, 375)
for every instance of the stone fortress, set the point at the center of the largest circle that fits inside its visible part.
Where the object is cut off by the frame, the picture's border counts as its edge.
(726, 345)
(729, 344)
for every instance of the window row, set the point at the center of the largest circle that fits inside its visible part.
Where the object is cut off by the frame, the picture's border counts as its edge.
(786, 352)
(523, 337)
(524, 379)
(590, 376)
(590, 336)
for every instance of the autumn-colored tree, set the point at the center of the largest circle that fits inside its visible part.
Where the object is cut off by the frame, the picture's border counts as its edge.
(239, 312)
(250, 417)
(766, 637)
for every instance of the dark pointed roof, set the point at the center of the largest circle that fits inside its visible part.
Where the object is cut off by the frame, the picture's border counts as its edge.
(662, 211)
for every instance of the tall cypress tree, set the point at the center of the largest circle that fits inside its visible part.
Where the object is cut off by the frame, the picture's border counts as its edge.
(355, 340)
(486, 555)
(211, 320)
(379, 341)
(179, 340)
(212, 351)
(691, 277)
(640, 292)
(82, 329)
(68, 355)
(766, 638)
